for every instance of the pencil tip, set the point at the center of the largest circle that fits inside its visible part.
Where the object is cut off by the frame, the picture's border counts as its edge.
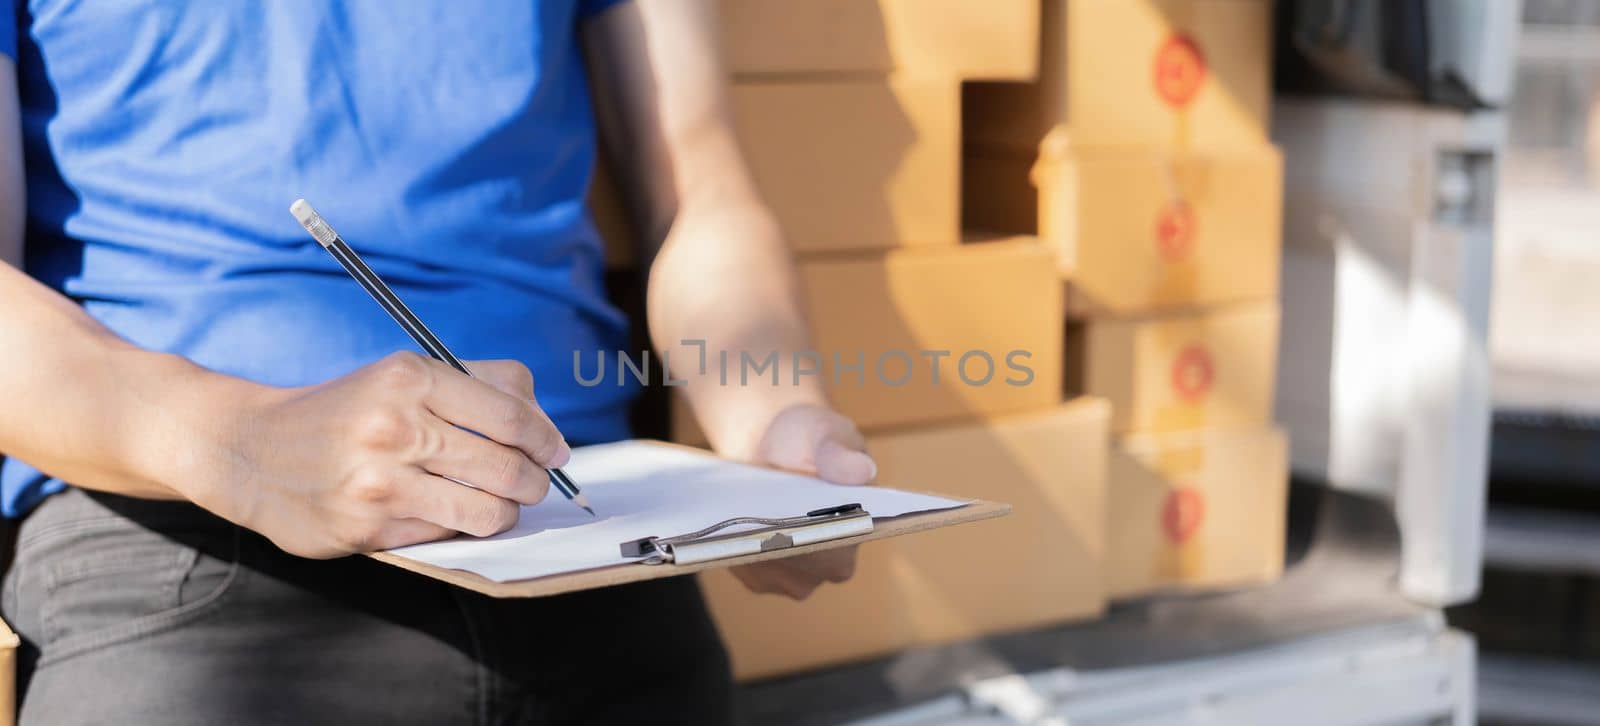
(583, 501)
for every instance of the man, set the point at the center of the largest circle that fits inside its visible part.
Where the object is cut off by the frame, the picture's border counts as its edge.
(209, 410)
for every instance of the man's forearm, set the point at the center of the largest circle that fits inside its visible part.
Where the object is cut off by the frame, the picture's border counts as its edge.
(80, 403)
(724, 277)
(90, 408)
(720, 270)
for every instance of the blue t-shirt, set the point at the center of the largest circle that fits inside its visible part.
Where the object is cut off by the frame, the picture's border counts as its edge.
(450, 142)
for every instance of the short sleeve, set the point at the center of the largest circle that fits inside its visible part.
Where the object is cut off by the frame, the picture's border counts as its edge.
(590, 8)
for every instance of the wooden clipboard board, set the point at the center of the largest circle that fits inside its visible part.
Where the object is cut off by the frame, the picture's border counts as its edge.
(638, 572)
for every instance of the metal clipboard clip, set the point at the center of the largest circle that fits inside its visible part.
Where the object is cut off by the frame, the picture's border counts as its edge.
(819, 525)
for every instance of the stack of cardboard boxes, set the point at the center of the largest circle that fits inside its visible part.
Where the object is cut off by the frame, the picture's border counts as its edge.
(945, 335)
(1141, 155)
(850, 114)
(947, 352)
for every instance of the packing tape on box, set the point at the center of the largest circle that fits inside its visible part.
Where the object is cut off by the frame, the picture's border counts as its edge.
(1179, 72)
(1183, 515)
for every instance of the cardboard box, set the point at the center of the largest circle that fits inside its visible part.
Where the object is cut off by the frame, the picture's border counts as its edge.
(1145, 232)
(998, 194)
(855, 164)
(955, 39)
(1196, 510)
(8, 674)
(1038, 566)
(1198, 369)
(941, 335)
(1140, 231)
(1186, 74)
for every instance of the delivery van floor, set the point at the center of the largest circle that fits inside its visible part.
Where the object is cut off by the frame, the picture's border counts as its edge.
(1343, 555)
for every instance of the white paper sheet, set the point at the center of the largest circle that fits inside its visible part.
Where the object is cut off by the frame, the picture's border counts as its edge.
(643, 490)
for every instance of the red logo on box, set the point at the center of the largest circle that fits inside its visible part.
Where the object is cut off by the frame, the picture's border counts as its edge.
(1180, 68)
(1182, 513)
(1192, 372)
(1175, 231)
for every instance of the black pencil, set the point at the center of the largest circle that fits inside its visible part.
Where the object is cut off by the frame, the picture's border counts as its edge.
(385, 297)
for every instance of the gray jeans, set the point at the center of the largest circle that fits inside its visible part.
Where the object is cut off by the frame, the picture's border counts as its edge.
(134, 611)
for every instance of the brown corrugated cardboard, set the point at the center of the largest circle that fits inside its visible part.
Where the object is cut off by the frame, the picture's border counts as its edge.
(1196, 510)
(1191, 370)
(857, 164)
(8, 674)
(1036, 567)
(940, 335)
(1140, 231)
(1188, 74)
(993, 39)
(998, 193)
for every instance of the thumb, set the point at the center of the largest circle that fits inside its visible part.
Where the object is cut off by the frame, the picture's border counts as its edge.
(841, 463)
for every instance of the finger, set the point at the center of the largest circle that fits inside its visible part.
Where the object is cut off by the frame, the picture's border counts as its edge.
(517, 422)
(837, 565)
(843, 431)
(775, 578)
(487, 465)
(460, 508)
(402, 532)
(841, 463)
(794, 583)
(507, 375)
(781, 577)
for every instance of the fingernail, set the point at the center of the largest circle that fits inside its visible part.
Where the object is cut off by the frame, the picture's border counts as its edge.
(872, 467)
(562, 455)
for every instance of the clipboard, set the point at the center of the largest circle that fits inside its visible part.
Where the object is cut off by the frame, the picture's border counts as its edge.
(716, 546)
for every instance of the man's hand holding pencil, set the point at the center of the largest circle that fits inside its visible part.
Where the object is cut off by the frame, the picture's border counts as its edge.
(365, 462)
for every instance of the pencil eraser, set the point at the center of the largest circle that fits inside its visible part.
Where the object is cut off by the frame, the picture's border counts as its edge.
(302, 211)
(313, 222)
